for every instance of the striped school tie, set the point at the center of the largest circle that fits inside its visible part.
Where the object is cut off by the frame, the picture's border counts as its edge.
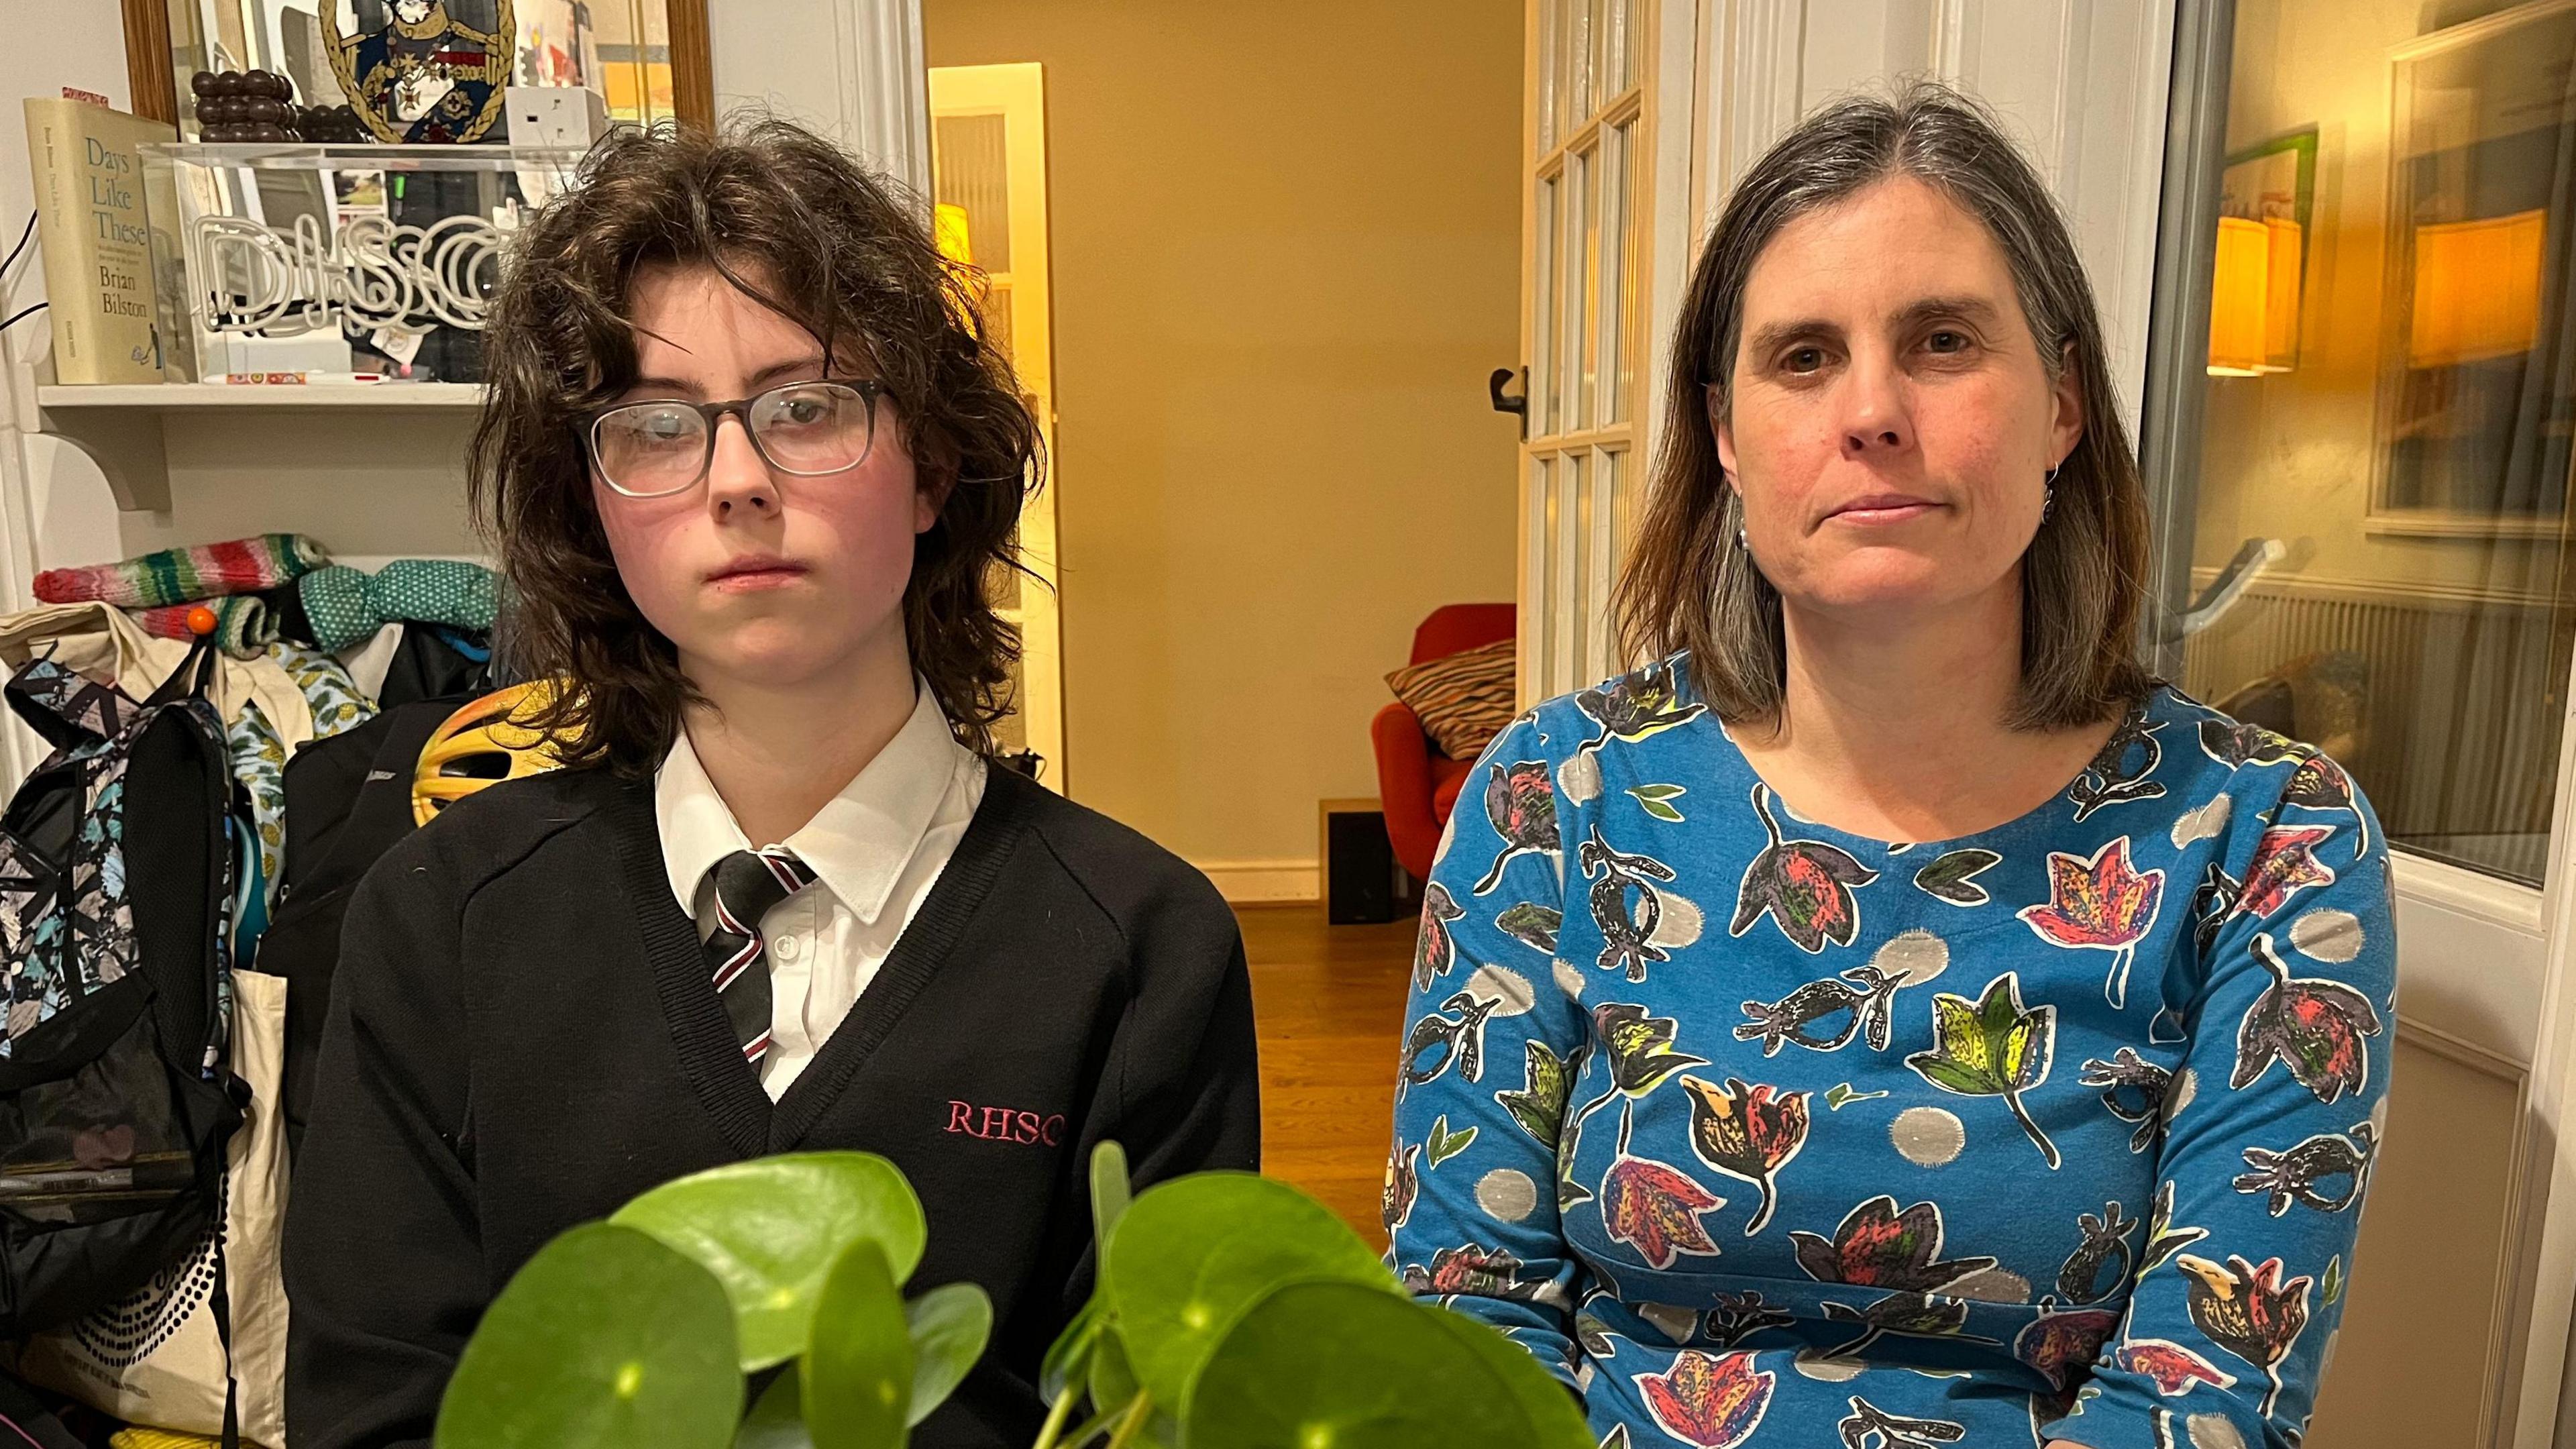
(748, 883)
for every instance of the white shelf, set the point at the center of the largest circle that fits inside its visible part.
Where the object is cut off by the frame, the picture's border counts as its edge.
(176, 396)
(120, 425)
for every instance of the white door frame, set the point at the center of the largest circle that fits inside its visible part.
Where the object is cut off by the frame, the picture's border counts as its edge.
(852, 69)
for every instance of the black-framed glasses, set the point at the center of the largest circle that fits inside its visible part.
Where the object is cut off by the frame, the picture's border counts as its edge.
(662, 446)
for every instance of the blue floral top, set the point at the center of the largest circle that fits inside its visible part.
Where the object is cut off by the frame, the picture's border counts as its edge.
(1751, 1127)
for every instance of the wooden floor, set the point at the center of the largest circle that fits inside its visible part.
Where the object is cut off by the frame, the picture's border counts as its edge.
(1329, 1002)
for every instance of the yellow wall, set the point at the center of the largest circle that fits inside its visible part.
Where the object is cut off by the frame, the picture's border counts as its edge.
(1286, 245)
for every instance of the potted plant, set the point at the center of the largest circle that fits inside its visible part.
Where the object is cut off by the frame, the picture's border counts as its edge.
(1231, 1312)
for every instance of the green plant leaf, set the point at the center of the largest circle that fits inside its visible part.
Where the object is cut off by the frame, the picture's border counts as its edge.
(1113, 1381)
(605, 1338)
(1554, 1415)
(858, 1374)
(771, 1229)
(948, 1325)
(1110, 1192)
(777, 1417)
(1068, 1359)
(1193, 1252)
(1337, 1364)
(1444, 1144)
(1114, 1387)
(2333, 1286)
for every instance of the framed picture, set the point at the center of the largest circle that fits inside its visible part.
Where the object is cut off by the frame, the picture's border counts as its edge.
(2477, 362)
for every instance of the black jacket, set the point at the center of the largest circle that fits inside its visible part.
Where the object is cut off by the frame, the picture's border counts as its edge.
(523, 1036)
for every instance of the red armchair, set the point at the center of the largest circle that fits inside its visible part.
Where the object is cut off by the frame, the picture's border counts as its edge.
(1416, 784)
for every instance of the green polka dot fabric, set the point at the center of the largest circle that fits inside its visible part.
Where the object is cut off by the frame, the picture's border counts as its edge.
(345, 606)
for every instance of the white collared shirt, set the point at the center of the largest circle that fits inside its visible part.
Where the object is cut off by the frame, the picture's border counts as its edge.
(875, 850)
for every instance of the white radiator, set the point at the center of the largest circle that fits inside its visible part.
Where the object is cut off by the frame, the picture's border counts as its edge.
(2459, 736)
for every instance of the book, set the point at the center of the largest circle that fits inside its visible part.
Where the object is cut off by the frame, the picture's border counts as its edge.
(87, 165)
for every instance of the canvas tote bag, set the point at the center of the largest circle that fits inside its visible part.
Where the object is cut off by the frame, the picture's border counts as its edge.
(158, 1357)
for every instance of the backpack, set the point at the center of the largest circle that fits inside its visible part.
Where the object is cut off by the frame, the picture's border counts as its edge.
(116, 886)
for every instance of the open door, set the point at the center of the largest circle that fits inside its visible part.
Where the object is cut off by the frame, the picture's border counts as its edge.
(988, 162)
(1587, 194)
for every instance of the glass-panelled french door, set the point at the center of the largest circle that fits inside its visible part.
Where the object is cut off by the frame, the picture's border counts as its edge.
(2358, 428)
(1583, 327)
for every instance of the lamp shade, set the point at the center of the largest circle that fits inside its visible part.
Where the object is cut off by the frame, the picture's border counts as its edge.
(2239, 310)
(2477, 289)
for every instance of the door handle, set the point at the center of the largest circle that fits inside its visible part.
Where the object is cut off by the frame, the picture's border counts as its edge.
(1506, 403)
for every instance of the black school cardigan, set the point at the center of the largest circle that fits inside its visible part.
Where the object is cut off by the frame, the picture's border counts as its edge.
(523, 1035)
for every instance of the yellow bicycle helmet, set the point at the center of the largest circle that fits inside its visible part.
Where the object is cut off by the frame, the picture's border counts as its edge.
(480, 744)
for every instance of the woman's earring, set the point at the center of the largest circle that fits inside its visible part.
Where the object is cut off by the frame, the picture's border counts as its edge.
(2047, 494)
(1741, 541)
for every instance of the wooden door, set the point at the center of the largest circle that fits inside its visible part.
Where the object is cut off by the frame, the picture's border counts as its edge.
(988, 161)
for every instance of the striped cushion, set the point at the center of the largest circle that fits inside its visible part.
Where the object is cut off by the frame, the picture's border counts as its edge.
(1464, 699)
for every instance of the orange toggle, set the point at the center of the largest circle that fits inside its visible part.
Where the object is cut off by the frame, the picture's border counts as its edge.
(201, 621)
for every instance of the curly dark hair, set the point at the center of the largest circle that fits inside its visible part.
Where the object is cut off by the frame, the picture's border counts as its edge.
(805, 230)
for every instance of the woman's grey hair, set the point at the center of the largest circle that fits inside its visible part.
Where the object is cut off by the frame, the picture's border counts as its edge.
(1688, 586)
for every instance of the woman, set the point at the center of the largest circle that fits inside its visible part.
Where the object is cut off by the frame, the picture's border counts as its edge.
(750, 466)
(1892, 1012)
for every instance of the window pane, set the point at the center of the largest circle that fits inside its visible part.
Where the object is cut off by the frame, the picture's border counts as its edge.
(1569, 515)
(1574, 410)
(1542, 378)
(1619, 281)
(2391, 397)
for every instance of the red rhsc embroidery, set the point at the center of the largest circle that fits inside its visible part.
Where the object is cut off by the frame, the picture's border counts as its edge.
(1003, 1124)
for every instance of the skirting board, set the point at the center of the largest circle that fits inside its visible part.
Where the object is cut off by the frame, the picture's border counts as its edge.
(1248, 881)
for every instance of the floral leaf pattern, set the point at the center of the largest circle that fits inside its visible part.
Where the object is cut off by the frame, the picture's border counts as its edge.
(2059, 1344)
(1531, 924)
(2247, 1310)
(1748, 1132)
(1657, 800)
(1538, 1105)
(1952, 876)
(2321, 784)
(1434, 951)
(1878, 1246)
(2171, 1367)
(1992, 1047)
(1846, 1109)
(1714, 1401)
(2101, 903)
(1640, 1046)
(1804, 886)
(1655, 1207)
(2317, 1028)
(1521, 806)
(1444, 1144)
(1639, 705)
(2284, 864)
